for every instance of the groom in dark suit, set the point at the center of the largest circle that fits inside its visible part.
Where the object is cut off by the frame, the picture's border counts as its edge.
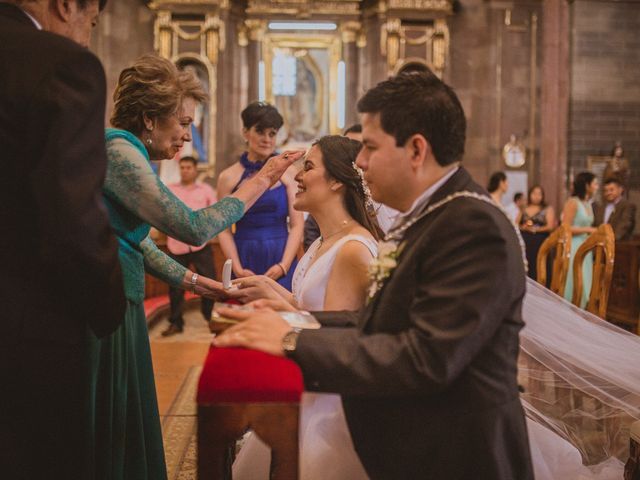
(59, 271)
(427, 371)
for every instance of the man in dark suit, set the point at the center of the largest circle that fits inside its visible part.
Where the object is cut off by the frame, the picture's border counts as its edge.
(427, 371)
(618, 212)
(60, 280)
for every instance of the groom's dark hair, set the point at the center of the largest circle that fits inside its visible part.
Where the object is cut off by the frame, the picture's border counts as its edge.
(419, 103)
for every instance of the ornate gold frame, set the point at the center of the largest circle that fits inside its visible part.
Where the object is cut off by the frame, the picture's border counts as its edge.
(210, 31)
(332, 43)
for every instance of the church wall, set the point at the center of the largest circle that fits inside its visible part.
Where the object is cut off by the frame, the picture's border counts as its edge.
(605, 91)
(232, 94)
(490, 66)
(124, 32)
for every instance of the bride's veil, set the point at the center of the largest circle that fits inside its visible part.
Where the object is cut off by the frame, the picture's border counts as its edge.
(581, 375)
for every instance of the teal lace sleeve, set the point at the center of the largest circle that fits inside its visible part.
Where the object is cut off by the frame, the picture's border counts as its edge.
(132, 182)
(160, 265)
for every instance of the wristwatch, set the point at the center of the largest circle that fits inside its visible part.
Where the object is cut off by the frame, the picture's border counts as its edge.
(290, 340)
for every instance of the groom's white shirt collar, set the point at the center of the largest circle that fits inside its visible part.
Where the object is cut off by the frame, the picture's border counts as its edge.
(422, 200)
(35, 22)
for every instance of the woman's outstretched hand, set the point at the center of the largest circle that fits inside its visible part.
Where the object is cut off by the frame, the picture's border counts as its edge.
(276, 166)
(210, 288)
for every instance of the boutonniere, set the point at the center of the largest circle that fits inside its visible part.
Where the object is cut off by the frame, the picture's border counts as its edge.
(381, 267)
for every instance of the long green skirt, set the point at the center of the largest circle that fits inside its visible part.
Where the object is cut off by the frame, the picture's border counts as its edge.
(123, 408)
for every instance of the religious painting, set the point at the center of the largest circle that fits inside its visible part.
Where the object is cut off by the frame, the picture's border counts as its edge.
(301, 81)
(302, 106)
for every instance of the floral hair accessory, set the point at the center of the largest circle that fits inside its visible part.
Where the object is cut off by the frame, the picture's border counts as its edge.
(368, 201)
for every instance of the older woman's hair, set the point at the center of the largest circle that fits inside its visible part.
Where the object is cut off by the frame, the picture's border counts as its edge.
(152, 86)
(339, 155)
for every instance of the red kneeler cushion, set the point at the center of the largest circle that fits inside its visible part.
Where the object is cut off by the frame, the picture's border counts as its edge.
(240, 375)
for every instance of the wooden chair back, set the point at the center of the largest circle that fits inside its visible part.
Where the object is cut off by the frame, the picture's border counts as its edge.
(602, 242)
(560, 241)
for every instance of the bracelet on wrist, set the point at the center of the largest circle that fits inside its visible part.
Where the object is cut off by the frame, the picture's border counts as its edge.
(284, 270)
(194, 282)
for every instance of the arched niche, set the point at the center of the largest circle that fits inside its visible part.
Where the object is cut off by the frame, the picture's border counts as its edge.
(203, 147)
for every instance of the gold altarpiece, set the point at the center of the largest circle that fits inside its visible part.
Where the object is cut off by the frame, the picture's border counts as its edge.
(192, 35)
(231, 46)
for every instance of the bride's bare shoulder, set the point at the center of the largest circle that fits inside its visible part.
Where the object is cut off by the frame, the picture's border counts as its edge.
(354, 252)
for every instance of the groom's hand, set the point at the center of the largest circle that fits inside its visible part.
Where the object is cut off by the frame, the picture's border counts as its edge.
(261, 330)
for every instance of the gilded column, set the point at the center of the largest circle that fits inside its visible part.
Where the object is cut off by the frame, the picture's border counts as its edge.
(350, 54)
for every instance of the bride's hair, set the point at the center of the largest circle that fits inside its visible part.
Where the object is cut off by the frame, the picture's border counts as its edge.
(338, 155)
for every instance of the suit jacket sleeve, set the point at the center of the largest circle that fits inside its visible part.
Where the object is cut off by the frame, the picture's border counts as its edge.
(598, 214)
(463, 291)
(337, 319)
(77, 241)
(625, 225)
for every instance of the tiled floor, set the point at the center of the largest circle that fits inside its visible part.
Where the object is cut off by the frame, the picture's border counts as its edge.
(176, 363)
(173, 357)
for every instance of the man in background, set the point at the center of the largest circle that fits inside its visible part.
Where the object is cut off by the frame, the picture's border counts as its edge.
(616, 211)
(514, 209)
(60, 280)
(195, 195)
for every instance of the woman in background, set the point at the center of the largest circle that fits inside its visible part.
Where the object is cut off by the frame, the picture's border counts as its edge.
(536, 221)
(263, 242)
(578, 215)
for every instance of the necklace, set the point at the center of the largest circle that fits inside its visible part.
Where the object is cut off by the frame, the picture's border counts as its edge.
(345, 224)
(397, 234)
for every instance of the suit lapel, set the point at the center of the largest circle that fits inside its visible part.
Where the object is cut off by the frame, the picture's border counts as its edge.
(459, 181)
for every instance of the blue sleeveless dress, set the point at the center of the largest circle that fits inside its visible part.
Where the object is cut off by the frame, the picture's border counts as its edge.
(261, 235)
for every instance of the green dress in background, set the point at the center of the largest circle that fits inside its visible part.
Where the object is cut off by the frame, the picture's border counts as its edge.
(583, 218)
(127, 440)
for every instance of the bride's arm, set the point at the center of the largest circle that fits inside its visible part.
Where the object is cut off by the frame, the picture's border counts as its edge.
(349, 278)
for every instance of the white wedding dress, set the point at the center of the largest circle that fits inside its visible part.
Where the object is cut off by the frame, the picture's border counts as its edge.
(326, 448)
(587, 353)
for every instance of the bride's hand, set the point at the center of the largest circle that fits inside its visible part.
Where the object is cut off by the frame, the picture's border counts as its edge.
(253, 288)
(279, 305)
(276, 166)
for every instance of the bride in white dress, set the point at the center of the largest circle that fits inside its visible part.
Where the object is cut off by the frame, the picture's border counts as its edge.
(332, 275)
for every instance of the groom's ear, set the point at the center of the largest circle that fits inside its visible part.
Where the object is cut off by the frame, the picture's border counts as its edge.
(417, 148)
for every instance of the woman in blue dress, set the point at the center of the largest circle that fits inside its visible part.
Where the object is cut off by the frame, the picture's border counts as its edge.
(154, 108)
(578, 215)
(264, 242)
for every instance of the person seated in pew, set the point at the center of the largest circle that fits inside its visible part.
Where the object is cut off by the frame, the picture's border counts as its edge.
(616, 210)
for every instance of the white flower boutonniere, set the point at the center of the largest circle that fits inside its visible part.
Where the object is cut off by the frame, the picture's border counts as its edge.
(381, 267)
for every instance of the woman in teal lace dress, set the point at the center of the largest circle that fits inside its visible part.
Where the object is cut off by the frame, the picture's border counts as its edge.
(154, 108)
(578, 215)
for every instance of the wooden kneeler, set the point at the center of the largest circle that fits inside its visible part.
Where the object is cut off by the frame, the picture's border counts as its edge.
(241, 389)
